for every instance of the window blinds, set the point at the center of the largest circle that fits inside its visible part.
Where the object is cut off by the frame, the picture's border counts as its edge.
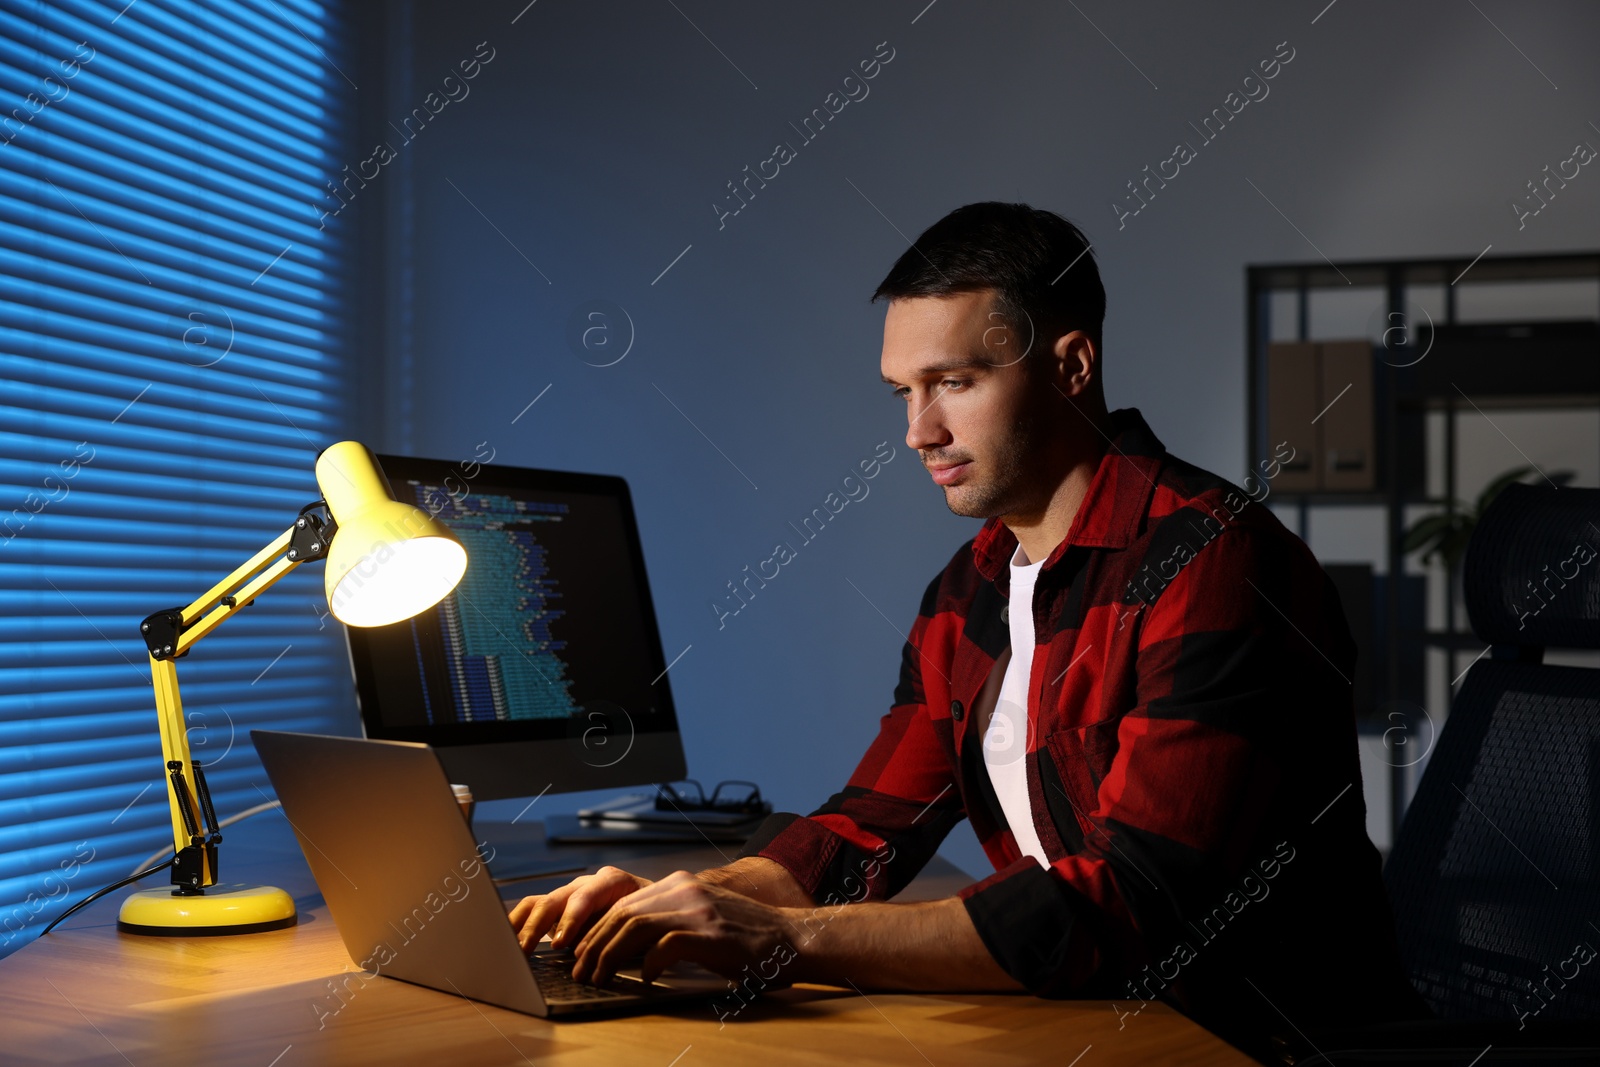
(171, 361)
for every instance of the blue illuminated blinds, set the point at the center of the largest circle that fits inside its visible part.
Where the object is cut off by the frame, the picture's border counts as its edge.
(171, 361)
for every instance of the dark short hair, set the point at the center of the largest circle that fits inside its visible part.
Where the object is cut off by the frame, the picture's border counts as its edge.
(1021, 252)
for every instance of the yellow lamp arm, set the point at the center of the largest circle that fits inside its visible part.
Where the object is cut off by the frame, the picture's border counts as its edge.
(170, 634)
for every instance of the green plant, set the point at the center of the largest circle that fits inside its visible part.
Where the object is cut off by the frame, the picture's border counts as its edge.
(1444, 535)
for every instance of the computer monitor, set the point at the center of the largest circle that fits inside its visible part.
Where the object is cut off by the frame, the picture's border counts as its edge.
(543, 670)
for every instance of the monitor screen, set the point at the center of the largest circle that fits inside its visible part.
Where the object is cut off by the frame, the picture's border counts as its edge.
(543, 670)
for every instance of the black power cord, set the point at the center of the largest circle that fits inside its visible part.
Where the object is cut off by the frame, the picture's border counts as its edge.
(92, 897)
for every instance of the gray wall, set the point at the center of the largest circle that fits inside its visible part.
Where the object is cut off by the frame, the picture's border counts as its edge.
(594, 143)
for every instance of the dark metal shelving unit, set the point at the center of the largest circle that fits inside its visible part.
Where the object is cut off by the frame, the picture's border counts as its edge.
(1398, 400)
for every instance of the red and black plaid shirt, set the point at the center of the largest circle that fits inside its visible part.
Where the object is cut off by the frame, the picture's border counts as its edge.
(1192, 764)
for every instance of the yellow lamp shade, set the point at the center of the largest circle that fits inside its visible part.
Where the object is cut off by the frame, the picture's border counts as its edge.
(387, 560)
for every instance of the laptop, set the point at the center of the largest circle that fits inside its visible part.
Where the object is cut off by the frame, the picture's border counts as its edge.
(410, 893)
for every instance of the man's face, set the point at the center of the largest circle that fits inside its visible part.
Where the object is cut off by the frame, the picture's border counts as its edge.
(973, 401)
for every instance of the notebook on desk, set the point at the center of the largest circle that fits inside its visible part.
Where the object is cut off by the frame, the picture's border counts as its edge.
(574, 830)
(408, 888)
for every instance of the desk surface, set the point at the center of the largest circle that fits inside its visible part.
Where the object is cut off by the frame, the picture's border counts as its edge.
(88, 994)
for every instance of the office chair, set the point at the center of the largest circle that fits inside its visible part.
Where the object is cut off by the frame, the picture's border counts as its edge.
(1495, 876)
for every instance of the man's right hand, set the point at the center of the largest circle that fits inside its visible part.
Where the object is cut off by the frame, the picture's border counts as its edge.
(573, 908)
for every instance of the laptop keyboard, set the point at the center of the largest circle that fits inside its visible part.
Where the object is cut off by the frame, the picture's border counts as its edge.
(555, 982)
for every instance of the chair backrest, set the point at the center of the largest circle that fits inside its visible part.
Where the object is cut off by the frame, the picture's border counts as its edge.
(1495, 876)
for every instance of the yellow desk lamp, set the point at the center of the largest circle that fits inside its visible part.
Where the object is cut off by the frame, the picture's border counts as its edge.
(387, 561)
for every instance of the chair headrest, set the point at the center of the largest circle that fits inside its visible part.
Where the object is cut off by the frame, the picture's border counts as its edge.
(1532, 568)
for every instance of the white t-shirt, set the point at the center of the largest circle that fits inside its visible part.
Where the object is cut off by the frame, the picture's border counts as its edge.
(1005, 742)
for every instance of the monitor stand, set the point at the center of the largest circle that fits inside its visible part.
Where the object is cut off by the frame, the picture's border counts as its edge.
(518, 851)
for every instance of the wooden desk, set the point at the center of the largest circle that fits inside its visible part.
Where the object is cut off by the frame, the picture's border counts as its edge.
(88, 994)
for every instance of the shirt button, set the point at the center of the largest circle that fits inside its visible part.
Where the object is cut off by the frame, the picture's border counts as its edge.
(955, 710)
(1005, 613)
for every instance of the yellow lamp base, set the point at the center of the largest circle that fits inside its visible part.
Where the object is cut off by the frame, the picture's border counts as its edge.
(221, 909)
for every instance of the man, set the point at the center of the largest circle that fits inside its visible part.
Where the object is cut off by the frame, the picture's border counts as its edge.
(1134, 681)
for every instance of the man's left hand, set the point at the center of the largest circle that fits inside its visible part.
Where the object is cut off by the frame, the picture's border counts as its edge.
(681, 917)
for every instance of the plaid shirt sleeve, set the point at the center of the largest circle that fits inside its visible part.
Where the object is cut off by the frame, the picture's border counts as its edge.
(1195, 790)
(869, 840)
